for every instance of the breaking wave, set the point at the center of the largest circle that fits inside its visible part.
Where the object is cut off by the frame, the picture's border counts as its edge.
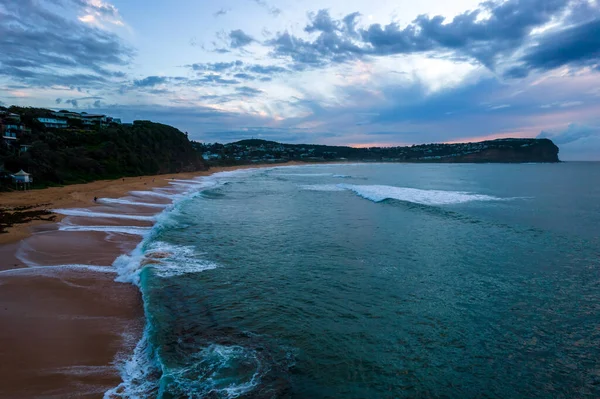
(92, 214)
(40, 270)
(121, 201)
(425, 197)
(132, 230)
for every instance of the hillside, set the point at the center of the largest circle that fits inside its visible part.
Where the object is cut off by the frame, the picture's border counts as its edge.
(497, 151)
(75, 155)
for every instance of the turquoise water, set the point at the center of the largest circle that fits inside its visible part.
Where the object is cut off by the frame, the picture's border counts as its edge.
(375, 281)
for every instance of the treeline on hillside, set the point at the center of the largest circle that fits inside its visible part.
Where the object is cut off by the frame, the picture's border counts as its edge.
(64, 156)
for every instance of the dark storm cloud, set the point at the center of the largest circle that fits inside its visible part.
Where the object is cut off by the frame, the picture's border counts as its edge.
(239, 39)
(579, 45)
(34, 42)
(489, 35)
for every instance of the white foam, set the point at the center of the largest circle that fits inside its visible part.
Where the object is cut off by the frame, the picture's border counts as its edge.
(91, 214)
(144, 375)
(151, 194)
(216, 363)
(188, 181)
(53, 269)
(321, 187)
(167, 260)
(182, 260)
(305, 174)
(140, 373)
(128, 202)
(378, 193)
(132, 230)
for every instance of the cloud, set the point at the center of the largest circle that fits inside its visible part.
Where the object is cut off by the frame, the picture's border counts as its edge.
(578, 45)
(217, 66)
(274, 11)
(239, 39)
(248, 91)
(43, 48)
(576, 142)
(221, 12)
(494, 35)
(266, 69)
(97, 12)
(212, 78)
(150, 81)
(240, 70)
(572, 133)
(244, 76)
(321, 22)
(58, 101)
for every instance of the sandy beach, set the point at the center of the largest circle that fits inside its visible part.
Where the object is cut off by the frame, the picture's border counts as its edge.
(65, 321)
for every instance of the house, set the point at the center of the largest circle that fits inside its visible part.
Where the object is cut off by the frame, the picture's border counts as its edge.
(92, 119)
(22, 179)
(53, 123)
(11, 127)
(8, 135)
(67, 115)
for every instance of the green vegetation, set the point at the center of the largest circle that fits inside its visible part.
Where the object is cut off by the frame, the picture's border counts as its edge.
(75, 155)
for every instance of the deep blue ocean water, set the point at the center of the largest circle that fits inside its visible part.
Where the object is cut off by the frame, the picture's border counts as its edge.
(374, 281)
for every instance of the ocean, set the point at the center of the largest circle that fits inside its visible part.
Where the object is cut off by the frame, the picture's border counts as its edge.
(370, 281)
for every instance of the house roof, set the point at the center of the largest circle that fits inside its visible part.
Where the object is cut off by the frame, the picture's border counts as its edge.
(21, 173)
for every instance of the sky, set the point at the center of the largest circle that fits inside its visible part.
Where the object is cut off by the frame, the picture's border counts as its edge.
(338, 72)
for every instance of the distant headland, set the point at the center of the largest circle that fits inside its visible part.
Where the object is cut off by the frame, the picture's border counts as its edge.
(493, 151)
(64, 147)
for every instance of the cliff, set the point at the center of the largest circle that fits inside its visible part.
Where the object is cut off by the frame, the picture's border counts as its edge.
(64, 156)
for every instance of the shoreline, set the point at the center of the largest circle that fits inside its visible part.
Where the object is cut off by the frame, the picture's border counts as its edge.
(82, 195)
(67, 324)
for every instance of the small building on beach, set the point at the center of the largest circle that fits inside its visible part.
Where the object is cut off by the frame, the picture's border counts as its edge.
(22, 179)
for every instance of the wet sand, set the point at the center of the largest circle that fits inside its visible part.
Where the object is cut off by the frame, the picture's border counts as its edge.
(64, 329)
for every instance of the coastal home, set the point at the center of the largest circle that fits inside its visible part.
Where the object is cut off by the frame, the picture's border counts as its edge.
(9, 136)
(11, 127)
(53, 123)
(88, 119)
(22, 179)
(93, 119)
(67, 115)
